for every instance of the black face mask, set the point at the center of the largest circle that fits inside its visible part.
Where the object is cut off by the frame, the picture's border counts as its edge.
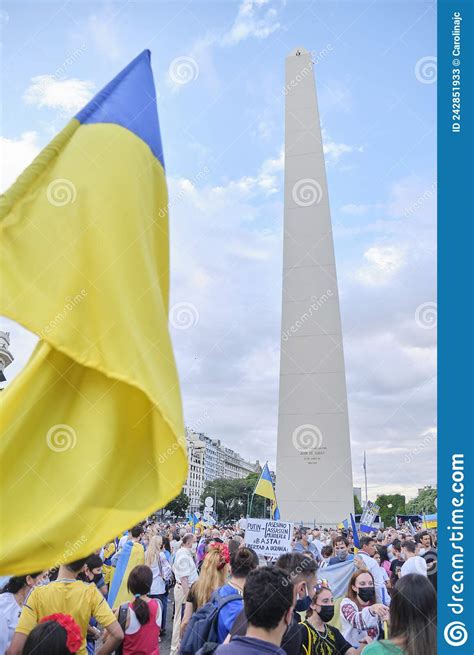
(326, 613)
(97, 577)
(366, 593)
(302, 604)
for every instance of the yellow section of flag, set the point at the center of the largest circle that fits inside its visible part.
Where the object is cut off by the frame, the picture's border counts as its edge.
(93, 435)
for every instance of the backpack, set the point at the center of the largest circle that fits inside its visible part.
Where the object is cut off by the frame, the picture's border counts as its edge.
(122, 619)
(201, 631)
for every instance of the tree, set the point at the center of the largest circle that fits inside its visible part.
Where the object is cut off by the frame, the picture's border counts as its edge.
(233, 497)
(179, 505)
(424, 502)
(357, 505)
(387, 514)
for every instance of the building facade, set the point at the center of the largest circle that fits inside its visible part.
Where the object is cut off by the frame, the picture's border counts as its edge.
(194, 485)
(210, 460)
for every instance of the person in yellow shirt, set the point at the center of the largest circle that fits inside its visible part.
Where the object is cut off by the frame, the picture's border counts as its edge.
(67, 595)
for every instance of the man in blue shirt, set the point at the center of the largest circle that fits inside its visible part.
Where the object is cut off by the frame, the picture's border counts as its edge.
(341, 547)
(304, 545)
(268, 603)
(242, 562)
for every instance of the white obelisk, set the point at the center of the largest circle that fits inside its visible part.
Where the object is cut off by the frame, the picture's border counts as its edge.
(314, 472)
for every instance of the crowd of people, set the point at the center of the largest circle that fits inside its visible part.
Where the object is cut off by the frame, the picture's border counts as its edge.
(226, 599)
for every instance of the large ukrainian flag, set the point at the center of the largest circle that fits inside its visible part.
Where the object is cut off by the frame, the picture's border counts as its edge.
(92, 428)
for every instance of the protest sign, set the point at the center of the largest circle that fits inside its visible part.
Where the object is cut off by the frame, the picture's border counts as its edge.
(269, 538)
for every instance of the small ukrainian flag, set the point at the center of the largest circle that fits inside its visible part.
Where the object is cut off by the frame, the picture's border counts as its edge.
(265, 488)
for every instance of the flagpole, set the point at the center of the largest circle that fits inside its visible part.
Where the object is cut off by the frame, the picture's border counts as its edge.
(251, 503)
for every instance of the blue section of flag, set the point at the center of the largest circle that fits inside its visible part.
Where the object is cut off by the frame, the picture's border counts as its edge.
(131, 105)
(266, 474)
(276, 514)
(367, 528)
(119, 572)
(345, 523)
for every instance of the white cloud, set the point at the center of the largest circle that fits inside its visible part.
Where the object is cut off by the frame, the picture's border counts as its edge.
(226, 260)
(383, 263)
(67, 96)
(17, 154)
(334, 151)
(104, 33)
(255, 18)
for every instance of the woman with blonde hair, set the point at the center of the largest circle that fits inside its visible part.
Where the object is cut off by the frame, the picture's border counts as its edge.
(213, 575)
(156, 559)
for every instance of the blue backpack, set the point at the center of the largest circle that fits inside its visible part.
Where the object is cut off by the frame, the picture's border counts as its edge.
(202, 627)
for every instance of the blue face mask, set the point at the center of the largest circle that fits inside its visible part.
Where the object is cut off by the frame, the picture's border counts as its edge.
(342, 556)
(302, 604)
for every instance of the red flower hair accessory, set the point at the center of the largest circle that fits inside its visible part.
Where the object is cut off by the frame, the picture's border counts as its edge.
(73, 631)
(223, 551)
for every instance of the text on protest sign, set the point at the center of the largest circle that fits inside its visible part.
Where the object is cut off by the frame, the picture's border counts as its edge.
(269, 538)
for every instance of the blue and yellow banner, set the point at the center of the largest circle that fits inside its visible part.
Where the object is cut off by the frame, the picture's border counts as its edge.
(93, 434)
(430, 521)
(264, 486)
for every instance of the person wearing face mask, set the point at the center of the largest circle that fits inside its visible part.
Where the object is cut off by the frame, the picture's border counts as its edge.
(12, 597)
(318, 637)
(268, 605)
(304, 545)
(301, 572)
(93, 573)
(361, 616)
(341, 549)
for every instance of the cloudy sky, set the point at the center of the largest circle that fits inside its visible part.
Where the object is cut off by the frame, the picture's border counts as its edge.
(219, 72)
